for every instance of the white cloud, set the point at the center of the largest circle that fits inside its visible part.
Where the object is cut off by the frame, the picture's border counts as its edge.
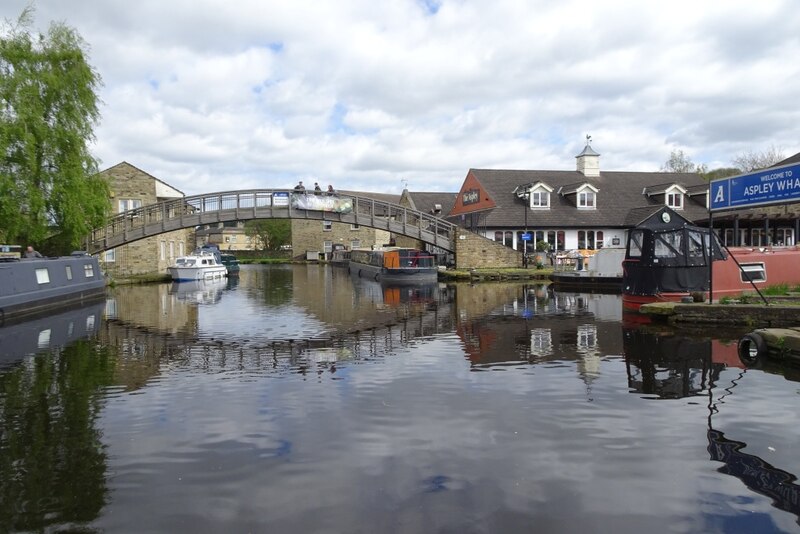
(367, 95)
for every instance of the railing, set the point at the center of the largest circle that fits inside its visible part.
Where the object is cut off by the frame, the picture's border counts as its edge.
(198, 210)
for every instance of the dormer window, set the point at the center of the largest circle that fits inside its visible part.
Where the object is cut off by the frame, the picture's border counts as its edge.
(536, 194)
(674, 198)
(540, 199)
(586, 199)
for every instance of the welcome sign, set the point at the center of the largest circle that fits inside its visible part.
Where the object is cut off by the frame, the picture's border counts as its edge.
(776, 185)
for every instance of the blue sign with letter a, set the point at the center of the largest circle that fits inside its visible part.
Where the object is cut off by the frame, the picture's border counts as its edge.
(775, 185)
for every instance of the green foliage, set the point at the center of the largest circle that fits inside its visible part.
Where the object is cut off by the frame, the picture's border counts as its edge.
(777, 289)
(50, 192)
(722, 172)
(542, 246)
(269, 234)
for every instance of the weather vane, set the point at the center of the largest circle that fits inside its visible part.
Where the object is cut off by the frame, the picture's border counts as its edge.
(404, 182)
(588, 139)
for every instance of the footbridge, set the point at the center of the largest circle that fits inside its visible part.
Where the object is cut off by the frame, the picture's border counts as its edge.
(212, 208)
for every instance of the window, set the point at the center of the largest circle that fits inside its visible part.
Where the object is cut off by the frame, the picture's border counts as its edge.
(354, 227)
(327, 246)
(355, 243)
(171, 249)
(635, 244)
(126, 204)
(327, 226)
(540, 199)
(163, 250)
(598, 239)
(111, 255)
(586, 199)
(69, 272)
(785, 237)
(586, 239)
(88, 270)
(675, 200)
(506, 238)
(669, 244)
(753, 272)
(43, 276)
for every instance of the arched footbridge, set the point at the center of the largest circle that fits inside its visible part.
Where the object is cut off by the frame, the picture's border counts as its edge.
(189, 212)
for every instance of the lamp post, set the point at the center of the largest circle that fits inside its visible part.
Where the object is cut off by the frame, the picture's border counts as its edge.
(525, 241)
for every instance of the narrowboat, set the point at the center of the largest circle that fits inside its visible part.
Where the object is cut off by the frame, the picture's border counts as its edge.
(603, 272)
(199, 265)
(340, 257)
(667, 260)
(395, 265)
(30, 286)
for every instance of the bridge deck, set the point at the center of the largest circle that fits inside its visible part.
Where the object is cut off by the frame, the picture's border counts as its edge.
(190, 212)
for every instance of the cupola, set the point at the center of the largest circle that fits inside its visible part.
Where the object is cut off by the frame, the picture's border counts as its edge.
(588, 160)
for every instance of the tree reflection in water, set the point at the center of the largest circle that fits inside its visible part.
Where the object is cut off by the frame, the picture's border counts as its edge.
(52, 461)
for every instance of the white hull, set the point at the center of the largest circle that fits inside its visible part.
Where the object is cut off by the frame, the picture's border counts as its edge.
(198, 273)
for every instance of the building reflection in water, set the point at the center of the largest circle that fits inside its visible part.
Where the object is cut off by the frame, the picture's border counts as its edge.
(664, 365)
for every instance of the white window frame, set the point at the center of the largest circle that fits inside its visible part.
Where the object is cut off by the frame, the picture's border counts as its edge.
(757, 272)
(327, 226)
(673, 197)
(540, 199)
(587, 200)
(127, 204)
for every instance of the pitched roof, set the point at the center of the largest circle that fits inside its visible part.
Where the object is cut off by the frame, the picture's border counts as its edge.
(427, 202)
(618, 193)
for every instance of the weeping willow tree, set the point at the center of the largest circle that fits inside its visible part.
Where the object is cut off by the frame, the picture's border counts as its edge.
(50, 192)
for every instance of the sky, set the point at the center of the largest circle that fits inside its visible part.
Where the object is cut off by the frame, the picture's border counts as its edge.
(367, 95)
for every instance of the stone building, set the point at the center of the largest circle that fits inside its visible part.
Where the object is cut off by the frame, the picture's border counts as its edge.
(230, 235)
(133, 188)
(322, 236)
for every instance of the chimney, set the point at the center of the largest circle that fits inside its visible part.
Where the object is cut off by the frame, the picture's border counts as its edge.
(588, 160)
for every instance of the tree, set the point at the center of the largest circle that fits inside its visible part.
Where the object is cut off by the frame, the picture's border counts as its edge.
(679, 162)
(753, 161)
(269, 234)
(50, 192)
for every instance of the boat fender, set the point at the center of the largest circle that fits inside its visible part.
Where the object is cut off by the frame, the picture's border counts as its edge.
(376, 276)
(752, 350)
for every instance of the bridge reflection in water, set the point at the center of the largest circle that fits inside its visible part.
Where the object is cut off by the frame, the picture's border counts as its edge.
(444, 391)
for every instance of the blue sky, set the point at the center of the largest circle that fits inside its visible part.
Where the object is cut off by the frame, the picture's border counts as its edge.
(211, 95)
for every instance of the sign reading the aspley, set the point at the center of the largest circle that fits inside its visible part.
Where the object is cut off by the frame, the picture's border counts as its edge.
(776, 185)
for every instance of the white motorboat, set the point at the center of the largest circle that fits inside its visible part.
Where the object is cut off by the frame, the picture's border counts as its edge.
(199, 265)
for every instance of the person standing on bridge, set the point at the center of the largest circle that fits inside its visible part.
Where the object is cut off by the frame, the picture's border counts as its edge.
(300, 186)
(317, 188)
(330, 189)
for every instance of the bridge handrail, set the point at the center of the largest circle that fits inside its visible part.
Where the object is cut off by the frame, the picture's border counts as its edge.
(399, 219)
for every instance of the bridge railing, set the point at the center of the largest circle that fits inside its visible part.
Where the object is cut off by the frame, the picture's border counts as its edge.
(198, 210)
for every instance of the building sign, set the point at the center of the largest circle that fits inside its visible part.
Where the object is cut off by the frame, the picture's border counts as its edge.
(280, 199)
(332, 203)
(776, 185)
(472, 196)
(526, 237)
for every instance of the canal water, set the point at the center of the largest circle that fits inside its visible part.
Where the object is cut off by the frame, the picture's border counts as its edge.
(295, 399)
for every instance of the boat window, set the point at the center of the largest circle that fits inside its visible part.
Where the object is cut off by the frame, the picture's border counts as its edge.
(669, 244)
(43, 276)
(635, 244)
(753, 272)
(695, 244)
(69, 272)
(88, 270)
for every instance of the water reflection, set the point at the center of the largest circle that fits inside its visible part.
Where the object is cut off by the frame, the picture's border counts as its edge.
(298, 381)
(52, 460)
(665, 365)
(49, 332)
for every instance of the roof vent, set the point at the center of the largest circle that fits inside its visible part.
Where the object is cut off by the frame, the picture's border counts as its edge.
(437, 208)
